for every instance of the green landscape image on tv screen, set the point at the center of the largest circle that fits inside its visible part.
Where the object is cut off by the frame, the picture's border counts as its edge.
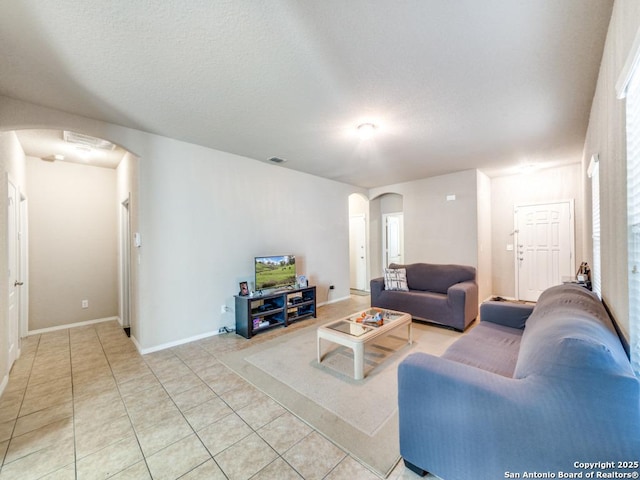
(275, 272)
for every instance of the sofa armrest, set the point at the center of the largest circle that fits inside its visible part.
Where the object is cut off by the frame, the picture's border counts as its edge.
(446, 408)
(463, 297)
(376, 285)
(450, 412)
(509, 314)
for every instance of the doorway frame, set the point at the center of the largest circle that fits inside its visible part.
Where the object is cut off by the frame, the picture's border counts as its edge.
(125, 264)
(385, 216)
(23, 327)
(363, 217)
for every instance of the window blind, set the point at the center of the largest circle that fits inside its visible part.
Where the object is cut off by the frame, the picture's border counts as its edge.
(633, 215)
(596, 269)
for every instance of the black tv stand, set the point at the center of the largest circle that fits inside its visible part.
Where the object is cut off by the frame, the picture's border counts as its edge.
(258, 313)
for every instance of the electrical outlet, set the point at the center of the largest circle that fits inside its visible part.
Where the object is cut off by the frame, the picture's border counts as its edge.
(85, 303)
(331, 287)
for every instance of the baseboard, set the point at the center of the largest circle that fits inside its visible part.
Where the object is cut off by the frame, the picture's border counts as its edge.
(333, 301)
(71, 325)
(164, 346)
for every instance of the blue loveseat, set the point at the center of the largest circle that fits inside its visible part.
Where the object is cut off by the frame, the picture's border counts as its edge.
(526, 390)
(442, 294)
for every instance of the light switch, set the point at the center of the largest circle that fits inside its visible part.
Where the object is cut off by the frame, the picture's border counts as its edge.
(509, 247)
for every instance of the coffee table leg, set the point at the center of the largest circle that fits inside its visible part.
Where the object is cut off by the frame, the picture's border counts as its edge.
(358, 361)
(410, 333)
(319, 356)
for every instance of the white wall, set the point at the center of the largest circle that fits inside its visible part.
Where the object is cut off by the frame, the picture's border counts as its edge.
(73, 243)
(547, 185)
(204, 215)
(606, 136)
(437, 230)
(485, 260)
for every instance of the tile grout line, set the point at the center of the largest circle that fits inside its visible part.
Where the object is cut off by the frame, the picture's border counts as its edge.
(73, 409)
(182, 413)
(24, 394)
(135, 433)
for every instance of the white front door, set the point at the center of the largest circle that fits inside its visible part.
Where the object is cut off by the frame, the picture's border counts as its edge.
(358, 252)
(544, 247)
(13, 296)
(393, 238)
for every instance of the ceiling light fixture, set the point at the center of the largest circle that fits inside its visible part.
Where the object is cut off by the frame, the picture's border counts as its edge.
(58, 156)
(366, 130)
(528, 168)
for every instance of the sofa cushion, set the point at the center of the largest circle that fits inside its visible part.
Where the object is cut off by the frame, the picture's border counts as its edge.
(488, 346)
(569, 333)
(435, 278)
(395, 279)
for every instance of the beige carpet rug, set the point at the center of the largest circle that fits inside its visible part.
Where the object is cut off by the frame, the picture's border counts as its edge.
(360, 416)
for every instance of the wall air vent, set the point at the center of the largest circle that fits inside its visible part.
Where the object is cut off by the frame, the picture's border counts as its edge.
(277, 160)
(87, 141)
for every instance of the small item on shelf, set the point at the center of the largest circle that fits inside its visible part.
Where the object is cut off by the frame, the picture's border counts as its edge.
(264, 323)
(256, 322)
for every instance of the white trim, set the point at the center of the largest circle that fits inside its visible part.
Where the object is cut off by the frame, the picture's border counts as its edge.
(4, 383)
(321, 304)
(71, 325)
(595, 159)
(135, 342)
(164, 346)
(632, 62)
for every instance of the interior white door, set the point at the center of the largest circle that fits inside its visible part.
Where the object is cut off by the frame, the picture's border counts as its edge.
(393, 237)
(545, 247)
(13, 296)
(358, 252)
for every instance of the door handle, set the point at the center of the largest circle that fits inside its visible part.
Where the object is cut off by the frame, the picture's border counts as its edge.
(18, 284)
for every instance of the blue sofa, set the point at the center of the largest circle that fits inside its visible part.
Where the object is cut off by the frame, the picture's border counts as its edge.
(529, 389)
(442, 294)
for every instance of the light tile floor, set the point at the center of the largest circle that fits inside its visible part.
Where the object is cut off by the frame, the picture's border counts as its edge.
(82, 403)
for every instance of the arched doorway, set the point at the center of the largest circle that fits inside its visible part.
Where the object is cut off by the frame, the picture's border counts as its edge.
(386, 232)
(76, 183)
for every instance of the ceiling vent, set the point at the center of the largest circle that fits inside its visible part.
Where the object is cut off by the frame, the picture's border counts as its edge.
(277, 160)
(87, 141)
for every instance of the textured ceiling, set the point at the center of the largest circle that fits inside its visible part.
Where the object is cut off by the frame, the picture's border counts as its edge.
(452, 85)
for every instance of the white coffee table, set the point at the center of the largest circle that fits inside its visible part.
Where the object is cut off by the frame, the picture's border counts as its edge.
(349, 333)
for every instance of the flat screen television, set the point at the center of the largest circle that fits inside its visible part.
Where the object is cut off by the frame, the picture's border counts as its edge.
(275, 272)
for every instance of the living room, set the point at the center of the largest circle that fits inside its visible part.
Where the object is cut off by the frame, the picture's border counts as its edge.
(203, 213)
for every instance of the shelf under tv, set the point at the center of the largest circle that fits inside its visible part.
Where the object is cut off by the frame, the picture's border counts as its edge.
(281, 310)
